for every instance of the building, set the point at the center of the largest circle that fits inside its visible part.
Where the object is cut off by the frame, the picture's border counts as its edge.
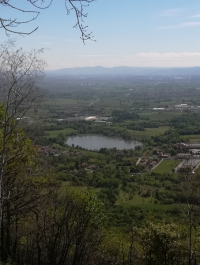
(190, 145)
(91, 118)
(183, 156)
(158, 109)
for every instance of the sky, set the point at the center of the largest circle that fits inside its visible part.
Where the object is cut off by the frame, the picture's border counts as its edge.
(139, 33)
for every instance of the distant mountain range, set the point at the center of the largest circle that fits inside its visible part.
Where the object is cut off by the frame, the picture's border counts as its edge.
(124, 70)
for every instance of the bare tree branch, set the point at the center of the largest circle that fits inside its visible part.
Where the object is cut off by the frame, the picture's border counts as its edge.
(78, 6)
(80, 15)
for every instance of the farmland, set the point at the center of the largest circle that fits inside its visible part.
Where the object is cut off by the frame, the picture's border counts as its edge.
(166, 166)
(134, 108)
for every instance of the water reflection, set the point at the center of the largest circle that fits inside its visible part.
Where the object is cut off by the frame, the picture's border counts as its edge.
(96, 142)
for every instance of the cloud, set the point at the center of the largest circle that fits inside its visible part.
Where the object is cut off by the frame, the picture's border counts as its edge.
(45, 43)
(182, 25)
(171, 59)
(72, 40)
(169, 55)
(42, 37)
(190, 24)
(171, 12)
(95, 55)
(196, 16)
(155, 55)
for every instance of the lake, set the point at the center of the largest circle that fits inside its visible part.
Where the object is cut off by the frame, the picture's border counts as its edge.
(96, 142)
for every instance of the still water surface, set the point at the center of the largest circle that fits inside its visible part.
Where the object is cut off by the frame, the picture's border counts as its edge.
(96, 142)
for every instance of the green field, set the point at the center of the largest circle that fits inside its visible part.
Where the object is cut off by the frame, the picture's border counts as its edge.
(65, 102)
(107, 102)
(55, 133)
(166, 166)
(138, 134)
(159, 115)
(150, 131)
(147, 203)
(197, 171)
(193, 138)
(137, 201)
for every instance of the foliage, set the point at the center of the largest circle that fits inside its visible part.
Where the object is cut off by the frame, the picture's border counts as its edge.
(163, 244)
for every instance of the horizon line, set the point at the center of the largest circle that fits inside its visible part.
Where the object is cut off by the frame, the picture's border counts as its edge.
(147, 67)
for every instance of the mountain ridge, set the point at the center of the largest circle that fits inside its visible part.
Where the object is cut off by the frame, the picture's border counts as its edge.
(125, 70)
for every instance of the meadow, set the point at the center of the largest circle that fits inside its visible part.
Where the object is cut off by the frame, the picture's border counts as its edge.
(55, 133)
(149, 131)
(166, 166)
(159, 115)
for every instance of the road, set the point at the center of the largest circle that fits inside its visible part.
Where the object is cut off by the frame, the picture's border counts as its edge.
(93, 102)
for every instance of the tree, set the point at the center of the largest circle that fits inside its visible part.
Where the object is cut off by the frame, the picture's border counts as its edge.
(163, 244)
(10, 24)
(22, 186)
(40, 223)
(66, 229)
(19, 72)
(191, 189)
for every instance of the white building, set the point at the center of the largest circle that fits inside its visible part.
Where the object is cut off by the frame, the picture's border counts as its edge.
(91, 118)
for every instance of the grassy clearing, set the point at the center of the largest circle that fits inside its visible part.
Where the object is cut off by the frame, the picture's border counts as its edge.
(107, 103)
(166, 166)
(197, 171)
(159, 115)
(89, 153)
(137, 134)
(150, 131)
(55, 133)
(147, 203)
(137, 201)
(60, 103)
(193, 138)
(68, 185)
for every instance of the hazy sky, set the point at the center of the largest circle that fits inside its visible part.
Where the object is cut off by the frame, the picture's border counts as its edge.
(129, 33)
